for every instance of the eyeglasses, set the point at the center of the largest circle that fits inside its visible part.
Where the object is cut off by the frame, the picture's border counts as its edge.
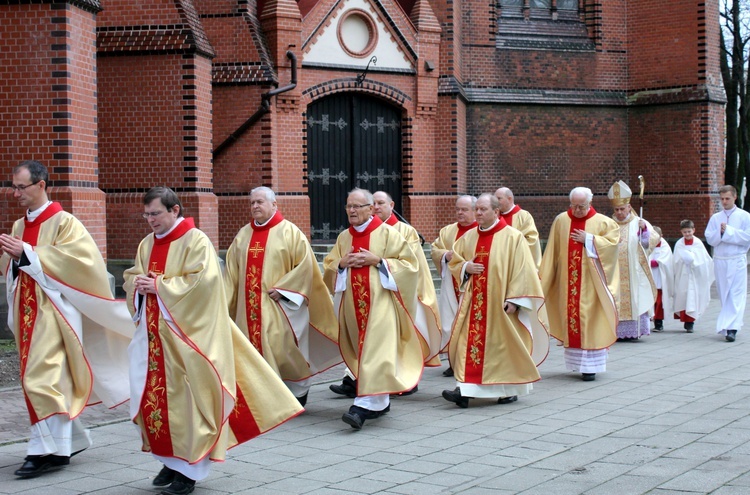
(22, 188)
(356, 207)
(152, 214)
(579, 207)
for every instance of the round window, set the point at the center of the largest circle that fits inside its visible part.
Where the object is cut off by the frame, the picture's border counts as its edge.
(357, 33)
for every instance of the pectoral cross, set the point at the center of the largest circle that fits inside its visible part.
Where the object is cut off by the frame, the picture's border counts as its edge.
(256, 250)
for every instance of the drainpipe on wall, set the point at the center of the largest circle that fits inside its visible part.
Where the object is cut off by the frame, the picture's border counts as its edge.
(265, 107)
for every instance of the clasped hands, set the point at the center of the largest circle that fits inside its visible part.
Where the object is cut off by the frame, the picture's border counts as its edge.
(358, 259)
(145, 284)
(12, 246)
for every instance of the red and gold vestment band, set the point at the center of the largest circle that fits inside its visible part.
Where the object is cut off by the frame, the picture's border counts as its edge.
(70, 332)
(581, 291)
(522, 220)
(377, 337)
(296, 342)
(448, 299)
(489, 346)
(198, 386)
(427, 318)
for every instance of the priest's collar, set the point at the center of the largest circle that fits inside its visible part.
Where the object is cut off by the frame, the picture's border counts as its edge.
(275, 219)
(361, 228)
(176, 223)
(33, 215)
(392, 220)
(264, 223)
(490, 227)
(510, 210)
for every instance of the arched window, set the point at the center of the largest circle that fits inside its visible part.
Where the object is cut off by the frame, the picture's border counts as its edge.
(538, 8)
(542, 24)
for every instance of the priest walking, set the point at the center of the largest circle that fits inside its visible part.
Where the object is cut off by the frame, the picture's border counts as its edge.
(198, 387)
(498, 339)
(277, 297)
(580, 280)
(372, 271)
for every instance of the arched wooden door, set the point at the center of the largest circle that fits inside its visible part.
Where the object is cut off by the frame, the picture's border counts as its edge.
(352, 141)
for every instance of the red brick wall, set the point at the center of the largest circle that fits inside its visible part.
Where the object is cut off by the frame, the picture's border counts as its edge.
(155, 129)
(541, 152)
(48, 107)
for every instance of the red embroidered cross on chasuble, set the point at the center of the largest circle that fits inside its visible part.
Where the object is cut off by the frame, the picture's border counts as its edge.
(575, 268)
(29, 307)
(361, 280)
(475, 348)
(256, 250)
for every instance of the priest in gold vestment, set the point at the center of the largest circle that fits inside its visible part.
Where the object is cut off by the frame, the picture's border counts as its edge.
(580, 280)
(277, 297)
(198, 387)
(637, 287)
(373, 274)
(70, 332)
(498, 339)
(442, 253)
(522, 220)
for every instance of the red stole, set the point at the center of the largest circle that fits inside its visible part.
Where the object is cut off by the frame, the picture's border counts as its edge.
(475, 351)
(28, 303)
(461, 231)
(256, 253)
(575, 267)
(392, 220)
(153, 409)
(361, 279)
(508, 217)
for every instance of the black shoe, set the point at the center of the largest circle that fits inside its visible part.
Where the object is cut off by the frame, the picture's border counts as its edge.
(507, 400)
(303, 400)
(689, 327)
(37, 465)
(448, 373)
(357, 415)
(348, 387)
(456, 397)
(165, 477)
(407, 392)
(731, 335)
(182, 485)
(588, 377)
(658, 325)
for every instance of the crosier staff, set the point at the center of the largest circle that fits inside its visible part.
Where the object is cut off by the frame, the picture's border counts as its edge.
(643, 187)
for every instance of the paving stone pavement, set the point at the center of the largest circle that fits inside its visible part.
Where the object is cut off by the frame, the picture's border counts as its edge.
(671, 416)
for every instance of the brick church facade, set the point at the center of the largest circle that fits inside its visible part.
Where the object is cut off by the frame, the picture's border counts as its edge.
(426, 99)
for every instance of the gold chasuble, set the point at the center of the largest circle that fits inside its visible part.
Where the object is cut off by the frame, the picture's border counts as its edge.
(489, 346)
(581, 291)
(297, 336)
(522, 221)
(70, 332)
(198, 385)
(427, 319)
(377, 337)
